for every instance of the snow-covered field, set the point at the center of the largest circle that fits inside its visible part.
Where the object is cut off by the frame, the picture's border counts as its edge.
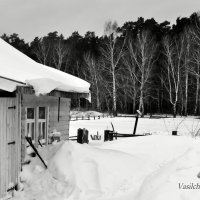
(164, 126)
(155, 167)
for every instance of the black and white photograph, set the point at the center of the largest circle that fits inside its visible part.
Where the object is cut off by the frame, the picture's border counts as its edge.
(99, 100)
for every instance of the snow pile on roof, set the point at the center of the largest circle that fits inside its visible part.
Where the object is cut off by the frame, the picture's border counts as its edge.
(17, 69)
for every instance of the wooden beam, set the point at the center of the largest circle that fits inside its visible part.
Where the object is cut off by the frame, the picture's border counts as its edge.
(9, 79)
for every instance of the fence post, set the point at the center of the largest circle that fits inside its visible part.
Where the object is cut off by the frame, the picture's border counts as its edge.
(108, 135)
(82, 136)
(174, 132)
(85, 136)
(136, 121)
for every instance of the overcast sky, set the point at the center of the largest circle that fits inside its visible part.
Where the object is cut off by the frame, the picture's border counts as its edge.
(31, 18)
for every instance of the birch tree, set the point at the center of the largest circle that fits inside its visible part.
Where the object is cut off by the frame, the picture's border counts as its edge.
(142, 57)
(186, 60)
(173, 50)
(94, 76)
(130, 65)
(195, 60)
(112, 52)
(195, 70)
(60, 52)
(41, 48)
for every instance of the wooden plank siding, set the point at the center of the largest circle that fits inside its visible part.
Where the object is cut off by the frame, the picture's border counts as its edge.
(60, 123)
(2, 148)
(13, 127)
(10, 141)
(54, 122)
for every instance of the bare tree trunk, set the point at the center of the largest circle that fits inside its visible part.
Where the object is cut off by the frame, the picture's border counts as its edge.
(60, 53)
(186, 94)
(112, 53)
(94, 77)
(158, 92)
(173, 69)
(182, 104)
(98, 100)
(141, 105)
(42, 51)
(141, 53)
(174, 110)
(196, 95)
(187, 36)
(114, 96)
(134, 102)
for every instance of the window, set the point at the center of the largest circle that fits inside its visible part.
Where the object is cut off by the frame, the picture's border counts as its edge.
(42, 123)
(30, 113)
(30, 123)
(36, 124)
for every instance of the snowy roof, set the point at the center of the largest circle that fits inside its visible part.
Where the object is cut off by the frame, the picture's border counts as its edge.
(17, 69)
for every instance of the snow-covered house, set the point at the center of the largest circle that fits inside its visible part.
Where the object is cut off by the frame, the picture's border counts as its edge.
(35, 102)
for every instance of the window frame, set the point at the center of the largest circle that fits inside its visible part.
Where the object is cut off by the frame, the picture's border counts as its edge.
(42, 121)
(36, 122)
(30, 121)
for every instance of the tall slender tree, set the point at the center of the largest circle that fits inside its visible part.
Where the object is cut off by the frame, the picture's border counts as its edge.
(112, 51)
(173, 50)
(142, 53)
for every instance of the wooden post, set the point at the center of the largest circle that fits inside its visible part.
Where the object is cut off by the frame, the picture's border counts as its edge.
(135, 127)
(174, 132)
(33, 147)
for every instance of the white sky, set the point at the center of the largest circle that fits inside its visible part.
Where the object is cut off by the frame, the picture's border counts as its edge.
(31, 18)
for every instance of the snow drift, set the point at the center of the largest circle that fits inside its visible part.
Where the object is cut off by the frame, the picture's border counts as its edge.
(152, 167)
(81, 172)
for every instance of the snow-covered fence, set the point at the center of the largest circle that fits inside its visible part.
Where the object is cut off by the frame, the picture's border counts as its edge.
(90, 117)
(110, 135)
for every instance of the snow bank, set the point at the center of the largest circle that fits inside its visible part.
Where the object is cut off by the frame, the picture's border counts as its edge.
(16, 66)
(175, 161)
(156, 167)
(184, 126)
(176, 180)
(81, 172)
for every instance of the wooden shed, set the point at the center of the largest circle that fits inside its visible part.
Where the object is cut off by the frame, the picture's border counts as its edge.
(35, 102)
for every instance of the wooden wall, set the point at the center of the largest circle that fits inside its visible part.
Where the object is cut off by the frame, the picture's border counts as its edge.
(58, 117)
(12, 128)
(10, 146)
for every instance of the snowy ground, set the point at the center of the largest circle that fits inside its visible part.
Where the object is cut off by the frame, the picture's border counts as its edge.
(164, 126)
(155, 167)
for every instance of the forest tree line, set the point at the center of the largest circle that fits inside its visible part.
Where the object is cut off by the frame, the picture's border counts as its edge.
(143, 65)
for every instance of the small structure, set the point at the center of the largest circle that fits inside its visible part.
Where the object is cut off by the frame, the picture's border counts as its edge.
(34, 102)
